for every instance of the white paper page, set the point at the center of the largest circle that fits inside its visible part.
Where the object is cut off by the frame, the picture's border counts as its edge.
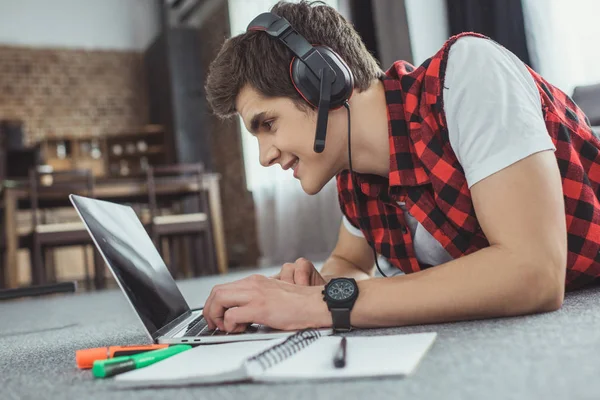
(365, 357)
(204, 360)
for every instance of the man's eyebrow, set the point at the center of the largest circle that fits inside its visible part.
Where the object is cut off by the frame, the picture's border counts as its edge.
(256, 121)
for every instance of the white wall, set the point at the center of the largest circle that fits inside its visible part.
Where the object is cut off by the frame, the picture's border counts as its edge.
(89, 24)
(428, 27)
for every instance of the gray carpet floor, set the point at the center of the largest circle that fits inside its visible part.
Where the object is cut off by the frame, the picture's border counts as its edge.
(547, 356)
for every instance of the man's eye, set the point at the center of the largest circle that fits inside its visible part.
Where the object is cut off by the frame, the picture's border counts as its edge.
(268, 125)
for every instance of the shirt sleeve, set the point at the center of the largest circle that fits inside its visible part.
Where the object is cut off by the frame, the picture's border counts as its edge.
(493, 108)
(351, 228)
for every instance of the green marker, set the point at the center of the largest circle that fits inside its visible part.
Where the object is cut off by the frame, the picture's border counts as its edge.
(118, 365)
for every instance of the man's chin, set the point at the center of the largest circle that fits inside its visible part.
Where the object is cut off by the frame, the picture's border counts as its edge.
(311, 188)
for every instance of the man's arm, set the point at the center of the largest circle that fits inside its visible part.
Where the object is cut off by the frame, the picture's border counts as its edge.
(521, 211)
(352, 257)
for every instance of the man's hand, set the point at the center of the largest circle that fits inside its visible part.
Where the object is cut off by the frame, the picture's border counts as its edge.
(302, 272)
(271, 302)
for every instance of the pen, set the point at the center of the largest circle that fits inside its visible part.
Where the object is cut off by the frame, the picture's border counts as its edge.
(339, 361)
(114, 366)
(85, 358)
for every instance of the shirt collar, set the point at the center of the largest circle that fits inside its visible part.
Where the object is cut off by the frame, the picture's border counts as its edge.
(402, 86)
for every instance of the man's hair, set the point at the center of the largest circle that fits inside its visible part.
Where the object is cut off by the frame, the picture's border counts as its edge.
(256, 59)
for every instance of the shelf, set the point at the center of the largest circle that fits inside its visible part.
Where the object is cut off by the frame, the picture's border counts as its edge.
(132, 156)
(78, 155)
(135, 133)
(152, 150)
(126, 133)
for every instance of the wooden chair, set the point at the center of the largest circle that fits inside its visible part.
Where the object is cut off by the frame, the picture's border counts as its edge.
(188, 221)
(23, 242)
(51, 189)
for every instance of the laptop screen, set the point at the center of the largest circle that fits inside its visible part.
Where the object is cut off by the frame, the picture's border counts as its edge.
(134, 261)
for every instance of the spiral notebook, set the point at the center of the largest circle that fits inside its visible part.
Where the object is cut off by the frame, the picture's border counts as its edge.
(305, 355)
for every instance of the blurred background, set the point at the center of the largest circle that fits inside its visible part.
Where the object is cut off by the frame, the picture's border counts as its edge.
(97, 96)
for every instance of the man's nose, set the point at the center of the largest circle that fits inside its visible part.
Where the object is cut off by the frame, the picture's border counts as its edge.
(269, 156)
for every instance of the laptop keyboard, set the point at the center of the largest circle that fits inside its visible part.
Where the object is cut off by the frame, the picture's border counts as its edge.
(198, 327)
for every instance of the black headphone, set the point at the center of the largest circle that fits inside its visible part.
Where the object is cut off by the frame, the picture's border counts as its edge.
(322, 78)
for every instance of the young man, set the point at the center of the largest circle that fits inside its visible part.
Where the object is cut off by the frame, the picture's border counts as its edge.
(473, 175)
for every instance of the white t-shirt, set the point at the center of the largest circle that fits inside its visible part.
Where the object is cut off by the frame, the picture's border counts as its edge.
(494, 115)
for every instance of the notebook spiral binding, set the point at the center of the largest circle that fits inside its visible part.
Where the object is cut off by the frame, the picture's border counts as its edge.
(285, 349)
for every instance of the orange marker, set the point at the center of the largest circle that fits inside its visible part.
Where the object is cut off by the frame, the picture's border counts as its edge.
(85, 358)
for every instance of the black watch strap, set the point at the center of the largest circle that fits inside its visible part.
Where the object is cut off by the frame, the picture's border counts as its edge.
(341, 319)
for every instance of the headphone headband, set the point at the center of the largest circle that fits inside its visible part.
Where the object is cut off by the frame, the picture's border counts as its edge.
(280, 28)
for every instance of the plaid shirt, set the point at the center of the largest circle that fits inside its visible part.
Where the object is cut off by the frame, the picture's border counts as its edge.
(426, 175)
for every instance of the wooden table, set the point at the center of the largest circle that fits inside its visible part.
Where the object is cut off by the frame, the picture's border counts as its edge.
(117, 190)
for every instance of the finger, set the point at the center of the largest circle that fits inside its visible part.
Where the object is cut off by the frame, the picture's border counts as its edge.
(214, 312)
(301, 277)
(276, 276)
(237, 319)
(207, 306)
(241, 284)
(224, 299)
(304, 271)
(287, 272)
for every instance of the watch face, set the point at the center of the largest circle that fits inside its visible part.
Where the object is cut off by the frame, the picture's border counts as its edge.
(340, 290)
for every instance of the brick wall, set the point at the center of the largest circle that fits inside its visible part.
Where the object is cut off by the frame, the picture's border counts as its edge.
(73, 92)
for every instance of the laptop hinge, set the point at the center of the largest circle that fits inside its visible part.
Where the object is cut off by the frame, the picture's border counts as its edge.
(172, 325)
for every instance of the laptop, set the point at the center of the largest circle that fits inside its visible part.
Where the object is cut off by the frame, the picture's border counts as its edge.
(146, 282)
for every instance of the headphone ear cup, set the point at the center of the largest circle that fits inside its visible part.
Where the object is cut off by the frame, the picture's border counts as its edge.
(308, 85)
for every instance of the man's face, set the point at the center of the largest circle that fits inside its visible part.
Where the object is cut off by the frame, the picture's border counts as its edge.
(286, 136)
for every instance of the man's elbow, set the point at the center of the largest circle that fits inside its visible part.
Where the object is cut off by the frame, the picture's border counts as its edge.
(546, 284)
(554, 299)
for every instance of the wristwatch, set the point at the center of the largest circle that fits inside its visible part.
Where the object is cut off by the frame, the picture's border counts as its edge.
(340, 294)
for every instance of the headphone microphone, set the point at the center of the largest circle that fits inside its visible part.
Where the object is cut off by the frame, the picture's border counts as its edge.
(321, 78)
(323, 113)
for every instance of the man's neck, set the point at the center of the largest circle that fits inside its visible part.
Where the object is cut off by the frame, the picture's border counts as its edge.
(370, 137)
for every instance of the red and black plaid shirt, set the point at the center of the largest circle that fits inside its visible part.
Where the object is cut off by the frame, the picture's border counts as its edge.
(426, 175)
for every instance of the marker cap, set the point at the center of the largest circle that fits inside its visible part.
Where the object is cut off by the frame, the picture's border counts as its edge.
(85, 358)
